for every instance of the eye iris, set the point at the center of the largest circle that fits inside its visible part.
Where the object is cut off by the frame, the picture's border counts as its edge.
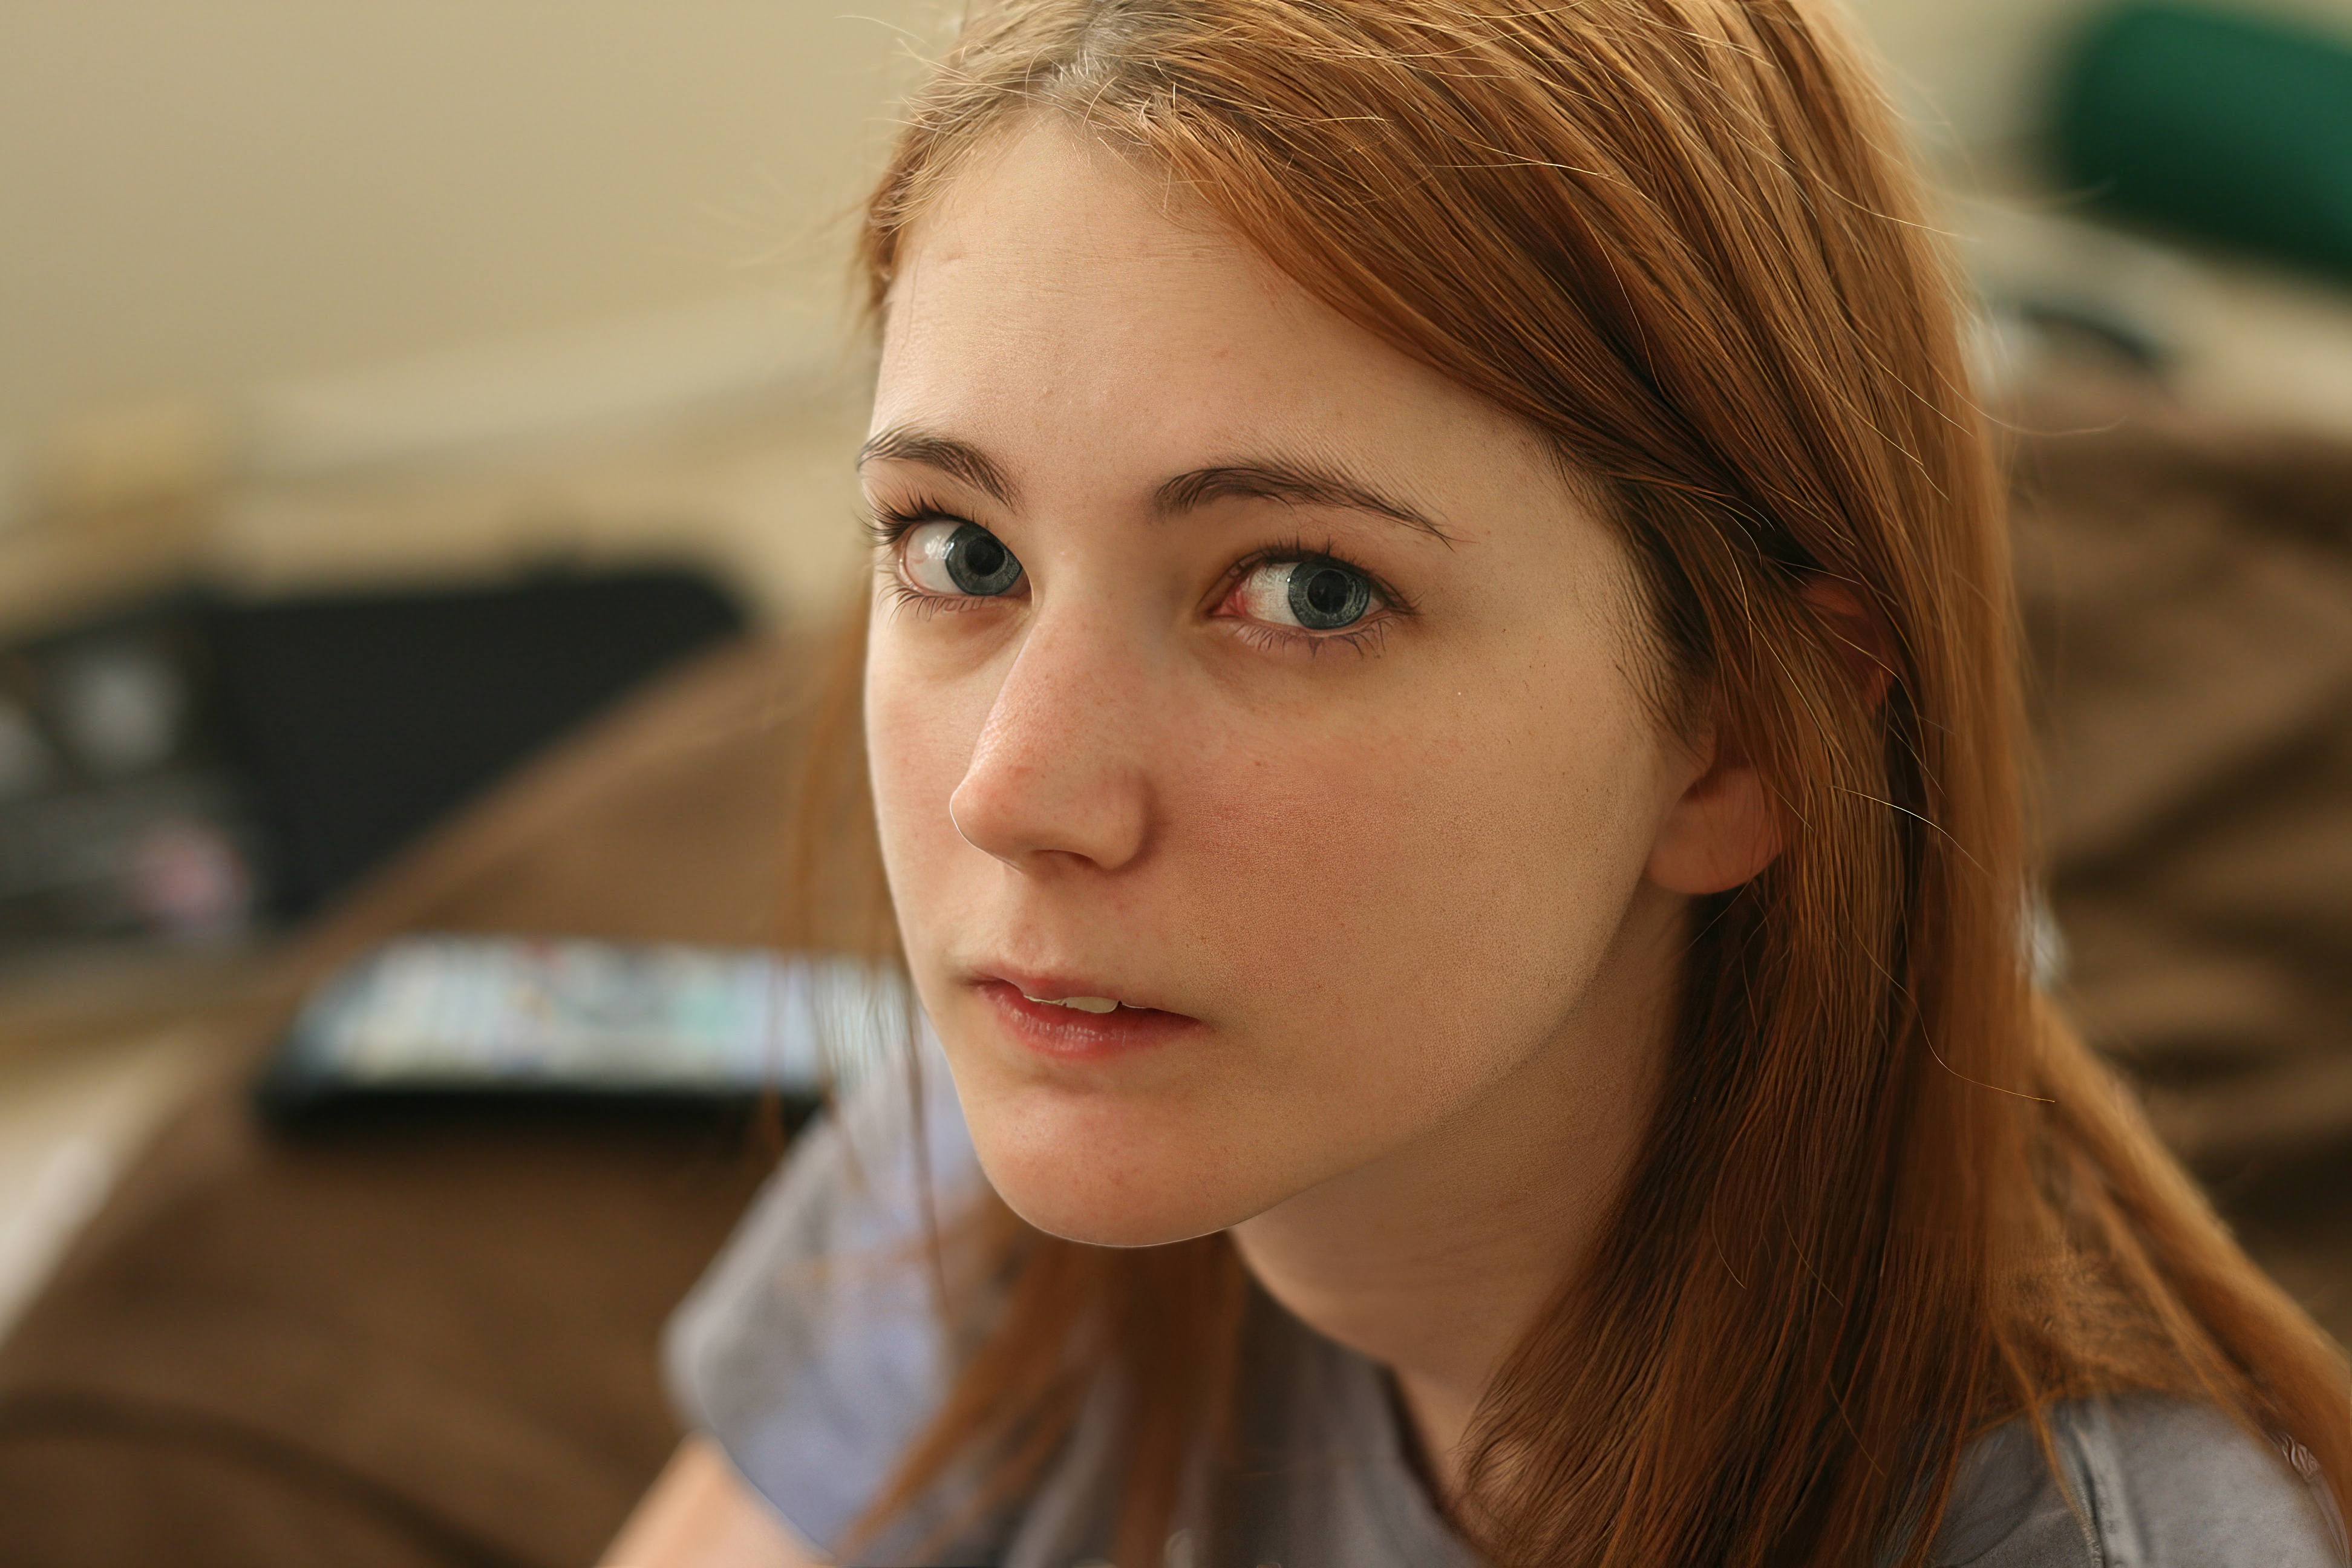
(1325, 598)
(979, 563)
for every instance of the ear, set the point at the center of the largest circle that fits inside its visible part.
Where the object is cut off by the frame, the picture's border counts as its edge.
(1723, 830)
(1863, 642)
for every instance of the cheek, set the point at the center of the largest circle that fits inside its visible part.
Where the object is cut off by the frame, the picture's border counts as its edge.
(1455, 880)
(920, 727)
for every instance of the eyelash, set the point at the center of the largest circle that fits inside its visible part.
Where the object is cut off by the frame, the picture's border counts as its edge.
(886, 526)
(1366, 636)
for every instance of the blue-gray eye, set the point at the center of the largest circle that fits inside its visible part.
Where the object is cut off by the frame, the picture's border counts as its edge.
(1315, 595)
(959, 558)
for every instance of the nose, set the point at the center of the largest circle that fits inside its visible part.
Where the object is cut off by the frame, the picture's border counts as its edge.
(1058, 775)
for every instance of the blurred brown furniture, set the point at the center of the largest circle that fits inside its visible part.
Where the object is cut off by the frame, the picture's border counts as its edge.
(433, 1343)
(2188, 587)
(429, 1340)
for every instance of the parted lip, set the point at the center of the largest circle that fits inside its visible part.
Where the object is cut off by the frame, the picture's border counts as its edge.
(1057, 988)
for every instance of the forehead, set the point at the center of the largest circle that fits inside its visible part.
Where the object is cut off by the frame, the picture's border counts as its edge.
(1056, 294)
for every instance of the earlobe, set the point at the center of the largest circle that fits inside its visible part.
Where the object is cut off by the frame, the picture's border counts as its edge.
(1718, 835)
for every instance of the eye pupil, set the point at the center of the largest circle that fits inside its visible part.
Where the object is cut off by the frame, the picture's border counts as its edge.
(1326, 597)
(981, 557)
(978, 562)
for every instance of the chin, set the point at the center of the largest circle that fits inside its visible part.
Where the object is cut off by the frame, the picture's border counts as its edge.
(1080, 1174)
(1059, 1212)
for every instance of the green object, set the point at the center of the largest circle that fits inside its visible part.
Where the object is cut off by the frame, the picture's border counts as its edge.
(2220, 124)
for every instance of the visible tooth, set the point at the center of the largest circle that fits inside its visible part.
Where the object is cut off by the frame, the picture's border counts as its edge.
(1083, 1003)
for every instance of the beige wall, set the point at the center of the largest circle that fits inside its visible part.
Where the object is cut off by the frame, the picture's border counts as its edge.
(201, 196)
(211, 200)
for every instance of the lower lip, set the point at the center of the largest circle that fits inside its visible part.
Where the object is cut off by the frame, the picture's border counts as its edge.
(1066, 1033)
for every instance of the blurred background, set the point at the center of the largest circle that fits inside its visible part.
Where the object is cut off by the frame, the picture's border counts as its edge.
(424, 488)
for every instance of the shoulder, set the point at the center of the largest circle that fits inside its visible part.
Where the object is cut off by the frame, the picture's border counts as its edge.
(812, 1351)
(2156, 1482)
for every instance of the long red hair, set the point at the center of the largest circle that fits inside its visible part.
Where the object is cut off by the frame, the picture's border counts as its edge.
(1887, 1199)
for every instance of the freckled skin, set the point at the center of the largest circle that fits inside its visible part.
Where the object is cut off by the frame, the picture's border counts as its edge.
(1410, 889)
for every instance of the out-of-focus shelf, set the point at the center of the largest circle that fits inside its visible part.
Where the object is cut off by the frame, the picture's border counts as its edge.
(53, 572)
(99, 1044)
(2246, 338)
(62, 997)
(73, 1118)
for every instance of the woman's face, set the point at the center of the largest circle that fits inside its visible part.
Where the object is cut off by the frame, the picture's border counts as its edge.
(1229, 666)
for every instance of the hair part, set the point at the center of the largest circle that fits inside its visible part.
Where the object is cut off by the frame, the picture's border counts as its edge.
(1677, 238)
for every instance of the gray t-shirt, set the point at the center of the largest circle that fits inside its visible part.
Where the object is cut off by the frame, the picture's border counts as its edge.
(814, 1354)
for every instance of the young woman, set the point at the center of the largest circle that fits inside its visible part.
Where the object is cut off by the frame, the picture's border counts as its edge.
(1441, 699)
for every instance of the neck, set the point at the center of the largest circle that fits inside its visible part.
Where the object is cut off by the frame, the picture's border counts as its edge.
(1436, 1258)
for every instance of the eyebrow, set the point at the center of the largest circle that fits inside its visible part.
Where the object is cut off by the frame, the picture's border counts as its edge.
(906, 444)
(1293, 484)
(1290, 482)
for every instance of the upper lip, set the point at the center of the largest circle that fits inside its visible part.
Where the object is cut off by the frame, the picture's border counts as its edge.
(1041, 987)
